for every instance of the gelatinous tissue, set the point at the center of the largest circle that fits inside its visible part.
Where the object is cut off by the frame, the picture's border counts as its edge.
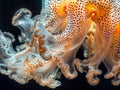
(50, 41)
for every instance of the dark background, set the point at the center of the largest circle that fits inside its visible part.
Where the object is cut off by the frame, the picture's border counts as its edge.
(7, 10)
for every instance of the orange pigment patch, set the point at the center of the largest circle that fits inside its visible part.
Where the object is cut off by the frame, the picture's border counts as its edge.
(60, 10)
(117, 29)
(96, 10)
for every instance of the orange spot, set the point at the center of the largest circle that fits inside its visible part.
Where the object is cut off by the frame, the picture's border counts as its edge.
(117, 29)
(68, 40)
(118, 25)
(97, 10)
(73, 33)
(67, 46)
(42, 50)
(40, 41)
(60, 10)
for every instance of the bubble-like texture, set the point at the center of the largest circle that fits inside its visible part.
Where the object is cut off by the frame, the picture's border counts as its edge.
(50, 42)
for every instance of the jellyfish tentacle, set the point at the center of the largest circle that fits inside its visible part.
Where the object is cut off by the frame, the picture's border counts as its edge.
(100, 11)
(66, 63)
(107, 35)
(112, 61)
(77, 28)
(43, 72)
